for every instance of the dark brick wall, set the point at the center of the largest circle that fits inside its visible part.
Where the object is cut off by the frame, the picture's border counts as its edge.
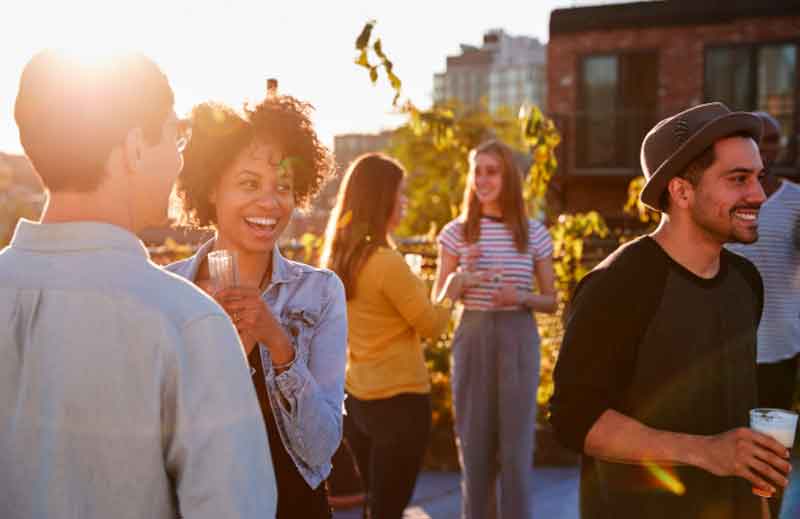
(680, 85)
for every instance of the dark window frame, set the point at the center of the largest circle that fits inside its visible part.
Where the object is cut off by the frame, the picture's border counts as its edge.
(792, 158)
(581, 167)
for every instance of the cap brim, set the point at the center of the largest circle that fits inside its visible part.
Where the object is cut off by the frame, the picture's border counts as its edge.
(716, 129)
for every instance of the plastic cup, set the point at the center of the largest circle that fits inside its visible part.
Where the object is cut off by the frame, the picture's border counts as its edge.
(777, 423)
(497, 275)
(414, 261)
(223, 269)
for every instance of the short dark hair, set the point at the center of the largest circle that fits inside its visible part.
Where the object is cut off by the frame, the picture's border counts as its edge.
(219, 134)
(72, 112)
(694, 171)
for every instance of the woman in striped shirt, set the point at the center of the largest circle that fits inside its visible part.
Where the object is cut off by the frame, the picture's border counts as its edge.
(496, 345)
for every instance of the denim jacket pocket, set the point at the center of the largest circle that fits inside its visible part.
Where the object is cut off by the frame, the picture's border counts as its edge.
(300, 324)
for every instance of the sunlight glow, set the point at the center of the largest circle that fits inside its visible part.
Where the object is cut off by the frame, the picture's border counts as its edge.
(666, 478)
(225, 51)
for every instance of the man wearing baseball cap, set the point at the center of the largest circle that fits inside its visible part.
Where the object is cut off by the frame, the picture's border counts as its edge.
(657, 371)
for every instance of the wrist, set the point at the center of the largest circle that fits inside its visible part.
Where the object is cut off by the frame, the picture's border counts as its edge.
(690, 450)
(281, 349)
(280, 367)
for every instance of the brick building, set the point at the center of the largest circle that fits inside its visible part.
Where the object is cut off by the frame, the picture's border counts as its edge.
(615, 70)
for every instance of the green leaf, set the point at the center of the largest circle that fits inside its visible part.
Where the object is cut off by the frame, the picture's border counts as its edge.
(363, 39)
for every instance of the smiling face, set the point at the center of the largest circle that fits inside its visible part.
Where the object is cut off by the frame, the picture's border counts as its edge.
(487, 181)
(254, 200)
(726, 201)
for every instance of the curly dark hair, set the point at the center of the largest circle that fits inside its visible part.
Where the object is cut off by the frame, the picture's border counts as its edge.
(220, 133)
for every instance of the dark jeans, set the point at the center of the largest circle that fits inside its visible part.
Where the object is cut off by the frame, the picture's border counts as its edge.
(776, 384)
(344, 479)
(388, 437)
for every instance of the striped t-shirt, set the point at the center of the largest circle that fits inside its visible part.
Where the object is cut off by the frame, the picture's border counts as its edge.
(497, 251)
(777, 258)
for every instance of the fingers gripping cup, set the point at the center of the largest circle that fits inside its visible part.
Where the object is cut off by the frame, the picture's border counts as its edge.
(777, 423)
(223, 269)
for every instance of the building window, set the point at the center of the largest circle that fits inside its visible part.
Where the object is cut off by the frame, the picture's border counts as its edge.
(757, 77)
(617, 105)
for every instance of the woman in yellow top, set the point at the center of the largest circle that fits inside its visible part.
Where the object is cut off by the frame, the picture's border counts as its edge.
(388, 392)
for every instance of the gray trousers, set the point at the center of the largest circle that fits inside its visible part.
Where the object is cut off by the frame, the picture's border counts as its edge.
(495, 380)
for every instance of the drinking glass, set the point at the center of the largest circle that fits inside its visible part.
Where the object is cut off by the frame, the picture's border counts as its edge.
(777, 423)
(223, 269)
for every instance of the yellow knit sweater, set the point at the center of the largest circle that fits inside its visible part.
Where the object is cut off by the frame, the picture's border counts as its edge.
(391, 310)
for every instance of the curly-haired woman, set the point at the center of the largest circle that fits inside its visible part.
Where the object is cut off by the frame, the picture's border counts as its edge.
(244, 175)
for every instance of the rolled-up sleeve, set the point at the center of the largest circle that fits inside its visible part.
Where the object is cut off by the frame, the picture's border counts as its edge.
(312, 395)
(215, 441)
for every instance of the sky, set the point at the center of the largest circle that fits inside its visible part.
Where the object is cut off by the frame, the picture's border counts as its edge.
(224, 50)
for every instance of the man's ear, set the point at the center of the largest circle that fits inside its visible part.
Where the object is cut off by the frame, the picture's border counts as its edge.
(680, 192)
(132, 149)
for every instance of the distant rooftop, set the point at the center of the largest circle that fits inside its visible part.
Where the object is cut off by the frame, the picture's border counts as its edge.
(663, 13)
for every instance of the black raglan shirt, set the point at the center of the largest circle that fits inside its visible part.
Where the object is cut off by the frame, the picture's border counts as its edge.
(651, 340)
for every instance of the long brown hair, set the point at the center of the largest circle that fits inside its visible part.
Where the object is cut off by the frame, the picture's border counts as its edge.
(358, 225)
(515, 215)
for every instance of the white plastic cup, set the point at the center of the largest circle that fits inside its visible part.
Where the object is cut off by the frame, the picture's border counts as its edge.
(414, 262)
(223, 269)
(776, 423)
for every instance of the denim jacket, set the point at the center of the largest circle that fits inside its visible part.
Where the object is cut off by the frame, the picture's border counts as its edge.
(306, 398)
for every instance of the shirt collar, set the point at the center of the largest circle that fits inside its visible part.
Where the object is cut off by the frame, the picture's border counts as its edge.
(74, 237)
(282, 270)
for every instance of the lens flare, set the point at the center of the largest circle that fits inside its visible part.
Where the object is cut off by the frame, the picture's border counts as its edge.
(666, 478)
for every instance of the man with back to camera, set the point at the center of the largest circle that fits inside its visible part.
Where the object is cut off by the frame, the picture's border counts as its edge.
(776, 255)
(124, 391)
(657, 374)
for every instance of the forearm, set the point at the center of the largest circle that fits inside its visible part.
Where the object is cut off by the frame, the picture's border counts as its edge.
(619, 438)
(282, 353)
(543, 303)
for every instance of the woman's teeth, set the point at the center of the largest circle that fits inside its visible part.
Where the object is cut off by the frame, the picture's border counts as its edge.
(261, 222)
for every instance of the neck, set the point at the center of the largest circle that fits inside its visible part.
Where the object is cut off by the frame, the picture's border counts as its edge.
(94, 206)
(691, 247)
(254, 268)
(492, 209)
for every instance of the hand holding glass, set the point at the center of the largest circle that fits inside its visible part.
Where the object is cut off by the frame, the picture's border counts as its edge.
(778, 424)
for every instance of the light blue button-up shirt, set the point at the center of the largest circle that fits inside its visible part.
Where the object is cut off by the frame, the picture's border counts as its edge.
(307, 398)
(124, 390)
